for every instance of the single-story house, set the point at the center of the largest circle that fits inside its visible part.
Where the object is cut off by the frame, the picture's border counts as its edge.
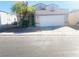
(48, 15)
(73, 17)
(7, 18)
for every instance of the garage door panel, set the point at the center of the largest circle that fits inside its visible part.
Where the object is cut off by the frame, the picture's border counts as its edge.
(52, 20)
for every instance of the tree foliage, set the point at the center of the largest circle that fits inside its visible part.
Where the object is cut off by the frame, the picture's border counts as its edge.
(19, 7)
(25, 12)
(30, 9)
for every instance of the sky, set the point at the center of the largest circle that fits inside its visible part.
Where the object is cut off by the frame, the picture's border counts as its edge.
(70, 5)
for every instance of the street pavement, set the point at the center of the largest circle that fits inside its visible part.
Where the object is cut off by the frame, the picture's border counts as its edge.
(62, 42)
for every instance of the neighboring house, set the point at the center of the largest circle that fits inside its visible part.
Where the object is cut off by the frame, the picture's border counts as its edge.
(6, 18)
(74, 18)
(50, 17)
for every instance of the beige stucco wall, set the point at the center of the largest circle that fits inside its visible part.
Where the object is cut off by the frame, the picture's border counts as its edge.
(58, 11)
(73, 18)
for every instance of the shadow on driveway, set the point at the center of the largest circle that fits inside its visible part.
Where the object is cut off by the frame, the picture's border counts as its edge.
(75, 27)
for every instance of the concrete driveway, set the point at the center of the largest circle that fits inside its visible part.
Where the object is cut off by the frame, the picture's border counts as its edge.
(62, 42)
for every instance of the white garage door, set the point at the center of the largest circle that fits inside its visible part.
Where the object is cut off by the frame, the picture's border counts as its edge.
(52, 20)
